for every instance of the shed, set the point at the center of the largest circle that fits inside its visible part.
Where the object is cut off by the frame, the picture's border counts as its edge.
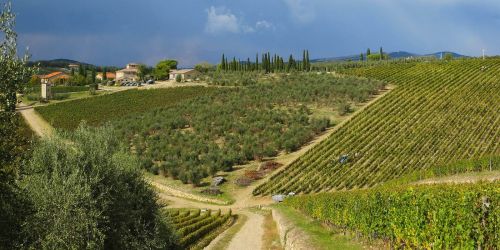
(186, 74)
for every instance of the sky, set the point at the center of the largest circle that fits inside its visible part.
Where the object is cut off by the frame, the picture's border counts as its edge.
(115, 32)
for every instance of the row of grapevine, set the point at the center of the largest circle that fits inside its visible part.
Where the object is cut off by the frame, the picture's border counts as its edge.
(442, 216)
(439, 112)
(195, 229)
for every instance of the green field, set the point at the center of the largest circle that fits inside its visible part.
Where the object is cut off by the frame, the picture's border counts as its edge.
(101, 109)
(421, 217)
(439, 112)
(195, 229)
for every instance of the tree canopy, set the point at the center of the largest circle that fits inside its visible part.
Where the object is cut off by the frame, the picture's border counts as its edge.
(87, 193)
(163, 68)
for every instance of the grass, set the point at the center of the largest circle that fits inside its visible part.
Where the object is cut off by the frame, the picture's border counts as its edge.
(321, 237)
(101, 109)
(229, 234)
(271, 238)
(188, 188)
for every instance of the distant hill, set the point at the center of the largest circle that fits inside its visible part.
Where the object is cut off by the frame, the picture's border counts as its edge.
(392, 55)
(438, 54)
(48, 66)
(57, 63)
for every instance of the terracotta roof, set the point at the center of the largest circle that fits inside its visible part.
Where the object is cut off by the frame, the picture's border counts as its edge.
(109, 75)
(53, 74)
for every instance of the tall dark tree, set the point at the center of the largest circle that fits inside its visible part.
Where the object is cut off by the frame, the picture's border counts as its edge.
(81, 70)
(381, 54)
(104, 74)
(368, 52)
(223, 62)
(304, 60)
(361, 57)
(93, 76)
(291, 63)
(257, 61)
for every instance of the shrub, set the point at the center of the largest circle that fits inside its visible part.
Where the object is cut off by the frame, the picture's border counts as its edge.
(90, 194)
(178, 78)
(60, 96)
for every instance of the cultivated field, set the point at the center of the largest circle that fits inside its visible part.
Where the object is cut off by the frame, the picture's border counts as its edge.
(195, 229)
(101, 109)
(440, 112)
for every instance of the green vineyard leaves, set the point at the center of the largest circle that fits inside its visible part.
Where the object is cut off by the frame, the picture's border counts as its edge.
(195, 229)
(439, 112)
(431, 217)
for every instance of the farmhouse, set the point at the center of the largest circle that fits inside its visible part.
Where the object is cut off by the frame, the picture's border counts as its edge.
(131, 72)
(74, 67)
(186, 74)
(109, 76)
(55, 78)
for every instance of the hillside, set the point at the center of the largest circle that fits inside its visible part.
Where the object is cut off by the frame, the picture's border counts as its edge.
(440, 112)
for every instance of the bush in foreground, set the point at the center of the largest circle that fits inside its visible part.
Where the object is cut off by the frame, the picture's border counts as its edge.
(86, 193)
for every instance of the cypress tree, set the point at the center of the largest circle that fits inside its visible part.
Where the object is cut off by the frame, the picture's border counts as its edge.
(381, 53)
(257, 61)
(264, 61)
(93, 75)
(303, 60)
(308, 64)
(291, 63)
(223, 62)
(104, 74)
(81, 70)
(368, 52)
(361, 57)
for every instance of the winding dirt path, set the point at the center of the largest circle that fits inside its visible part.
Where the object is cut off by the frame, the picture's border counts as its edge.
(41, 127)
(250, 235)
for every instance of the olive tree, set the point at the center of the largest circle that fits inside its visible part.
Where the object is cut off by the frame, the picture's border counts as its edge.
(88, 193)
(14, 74)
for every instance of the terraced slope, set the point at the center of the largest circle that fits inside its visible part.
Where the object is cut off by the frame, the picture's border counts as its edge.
(196, 229)
(440, 112)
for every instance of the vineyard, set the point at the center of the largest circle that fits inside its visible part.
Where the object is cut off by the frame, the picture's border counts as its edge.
(101, 109)
(439, 112)
(423, 217)
(196, 229)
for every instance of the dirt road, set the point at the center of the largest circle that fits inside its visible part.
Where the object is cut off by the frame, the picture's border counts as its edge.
(250, 235)
(38, 124)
